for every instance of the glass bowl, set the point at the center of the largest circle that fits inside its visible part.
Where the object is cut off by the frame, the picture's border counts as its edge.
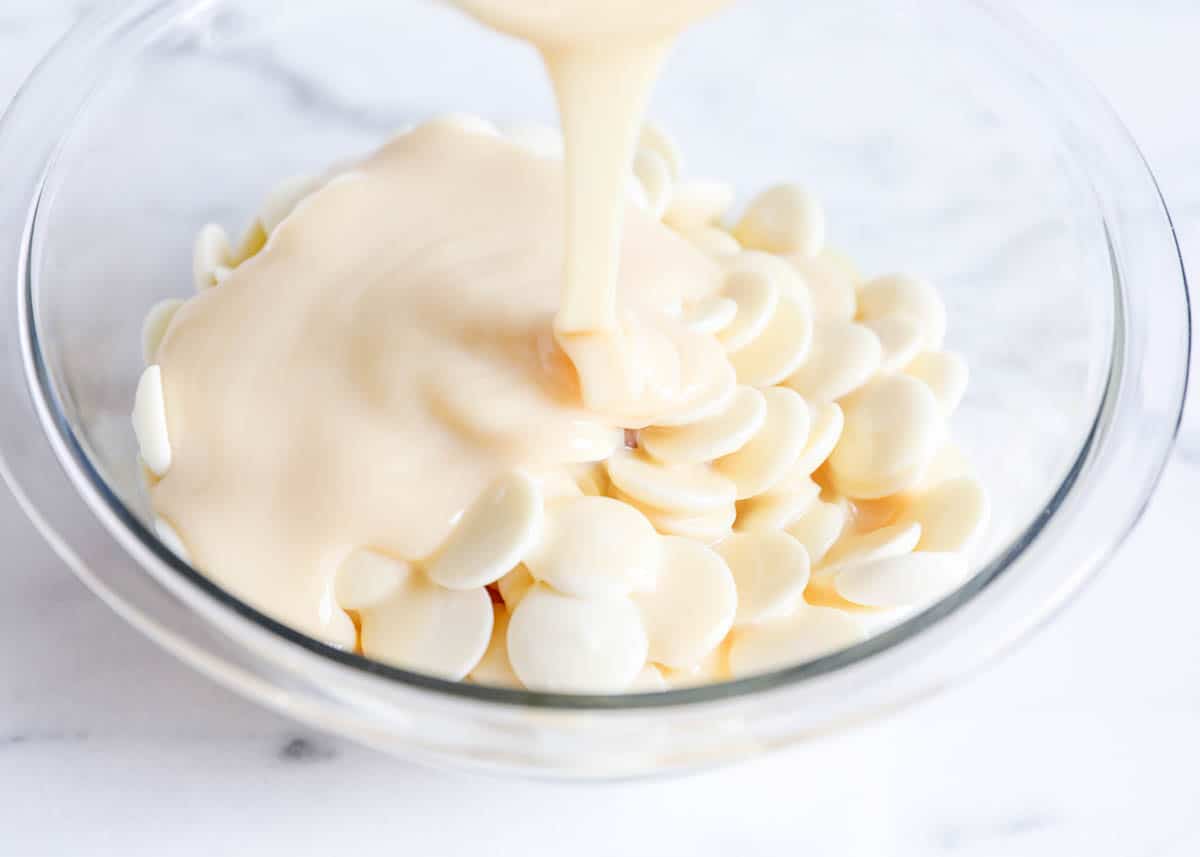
(944, 139)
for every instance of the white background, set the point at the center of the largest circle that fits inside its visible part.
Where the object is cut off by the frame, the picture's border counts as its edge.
(1084, 742)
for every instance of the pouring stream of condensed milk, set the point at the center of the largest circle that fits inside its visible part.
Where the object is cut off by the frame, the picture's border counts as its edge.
(603, 59)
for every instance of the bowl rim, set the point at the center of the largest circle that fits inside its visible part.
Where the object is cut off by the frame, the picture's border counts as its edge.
(78, 479)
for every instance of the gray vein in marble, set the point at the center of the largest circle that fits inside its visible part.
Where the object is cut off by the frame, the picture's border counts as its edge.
(306, 93)
(306, 750)
(967, 836)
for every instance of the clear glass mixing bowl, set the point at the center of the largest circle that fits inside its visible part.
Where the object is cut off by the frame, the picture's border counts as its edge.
(944, 139)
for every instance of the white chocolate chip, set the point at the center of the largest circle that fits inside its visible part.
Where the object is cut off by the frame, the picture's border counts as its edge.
(898, 293)
(807, 634)
(367, 578)
(766, 459)
(150, 422)
(893, 428)
(720, 435)
(596, 547)
(156, 324)
(783, 219)
(899, 336)
(655, 178)
(698, 202)
(211, 251)
(899, 581)
(952, 515)
(780, 349)
(561, 644)
(690, 488)
(428, 628)
(495, 533)
(944, 373)
(770, 569)
(844, 356)
(691, 609)
(818, 528)
(757, 297)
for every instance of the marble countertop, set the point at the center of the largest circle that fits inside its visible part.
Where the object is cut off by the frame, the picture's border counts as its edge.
(1082, 742)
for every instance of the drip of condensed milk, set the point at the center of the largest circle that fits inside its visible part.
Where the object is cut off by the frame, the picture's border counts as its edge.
(603, 59)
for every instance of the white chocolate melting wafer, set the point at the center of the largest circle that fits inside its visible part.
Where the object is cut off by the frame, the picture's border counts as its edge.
(495, 533)
(711, 315)
(899, 336)
(649, 680)
(169, 536)
(705, 527)
(808, 633)
(770, 569)
(514, 586)
(944, 373)
(367, 578)
(902, 294)
(212, 250)
(779, 507)
(150, 422)
(596, 547)
(719, 435)
(893, 428)
(690, 488)
(562, 644)
(899, 581)
(826, 429)
(655, 178)
(766, 459)
(832, 281)
(757, 298)
(952, 515)
(428, 628)
(494, 668)
(889, 541)
(655, 138)
(155, 326)
(843, 357)
(818, 528)
(783, 219)
(780, 349)
(713, 241)
(697, 202)
(691, 609)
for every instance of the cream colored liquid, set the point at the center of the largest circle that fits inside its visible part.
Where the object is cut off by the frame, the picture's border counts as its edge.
(360, 381)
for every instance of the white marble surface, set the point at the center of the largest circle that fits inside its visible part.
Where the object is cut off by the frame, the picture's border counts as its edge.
(1083, 742)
